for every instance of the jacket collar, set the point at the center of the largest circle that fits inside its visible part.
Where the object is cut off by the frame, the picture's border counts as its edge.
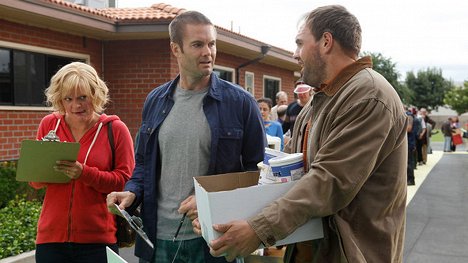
(345, 75)
(215, 86)
(213, 91)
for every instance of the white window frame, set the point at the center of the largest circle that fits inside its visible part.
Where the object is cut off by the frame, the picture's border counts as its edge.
(273, 78)
(42, 50)
(232, 70)
(246, 86)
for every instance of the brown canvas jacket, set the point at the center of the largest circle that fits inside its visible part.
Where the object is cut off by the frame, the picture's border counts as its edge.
(357, 154)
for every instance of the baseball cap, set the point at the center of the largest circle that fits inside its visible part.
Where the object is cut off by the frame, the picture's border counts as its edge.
(302, 88)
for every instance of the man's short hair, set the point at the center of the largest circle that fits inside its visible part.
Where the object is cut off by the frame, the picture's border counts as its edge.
(281, 93)
(281, 111)
(177, 26)
(338, 21)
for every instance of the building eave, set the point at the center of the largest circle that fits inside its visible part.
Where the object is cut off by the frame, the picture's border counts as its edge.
(93, 23)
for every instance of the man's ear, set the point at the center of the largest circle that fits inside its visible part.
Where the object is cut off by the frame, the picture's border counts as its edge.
(327, 42)
(176, 50)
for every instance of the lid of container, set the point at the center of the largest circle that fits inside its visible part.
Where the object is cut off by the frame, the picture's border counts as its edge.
(275, 153)
(288, 159)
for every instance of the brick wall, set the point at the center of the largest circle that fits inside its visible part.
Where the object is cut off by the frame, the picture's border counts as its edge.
(16, 126)
(132, 70)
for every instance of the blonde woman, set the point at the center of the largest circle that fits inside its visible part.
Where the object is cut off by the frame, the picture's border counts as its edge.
(75, 225)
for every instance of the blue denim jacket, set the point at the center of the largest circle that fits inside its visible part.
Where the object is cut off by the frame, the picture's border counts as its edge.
(237, 143)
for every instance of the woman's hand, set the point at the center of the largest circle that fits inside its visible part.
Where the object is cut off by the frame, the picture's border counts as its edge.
(70, 169)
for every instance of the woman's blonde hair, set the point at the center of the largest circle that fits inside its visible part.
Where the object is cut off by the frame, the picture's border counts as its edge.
(77, 75)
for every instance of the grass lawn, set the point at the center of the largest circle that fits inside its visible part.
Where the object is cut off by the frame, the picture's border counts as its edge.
(439, 137)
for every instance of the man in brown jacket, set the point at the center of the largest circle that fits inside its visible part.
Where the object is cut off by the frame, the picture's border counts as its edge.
(353, 136)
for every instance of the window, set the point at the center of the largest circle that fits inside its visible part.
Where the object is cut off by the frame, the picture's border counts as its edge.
(224, 73)
(249, 82)
(271, 86)
(5, 79)
(25, 75)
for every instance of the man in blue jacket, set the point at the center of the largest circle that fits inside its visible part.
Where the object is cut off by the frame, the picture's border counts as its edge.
(196, 124)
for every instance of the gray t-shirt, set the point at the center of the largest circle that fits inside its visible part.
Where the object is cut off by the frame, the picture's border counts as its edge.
(184, 142)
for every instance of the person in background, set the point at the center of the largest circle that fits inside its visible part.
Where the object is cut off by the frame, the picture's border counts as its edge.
(421, 140)
(272, 128)
(303, 92)
(430, 126)
(281, 99)
(447, 131)
(429, 133)
(353, 135)
(465, 135)
(455, 127)
(281, 117)
(417, 130)
(74, 225)
(225, 135)
(282, 113)
(411, 134)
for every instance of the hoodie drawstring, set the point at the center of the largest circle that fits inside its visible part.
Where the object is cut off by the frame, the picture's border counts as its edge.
(92, 143)
(56, 126)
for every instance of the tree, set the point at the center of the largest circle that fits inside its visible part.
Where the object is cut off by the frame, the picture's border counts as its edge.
(428, 88)
(457, 98)
(387, 68)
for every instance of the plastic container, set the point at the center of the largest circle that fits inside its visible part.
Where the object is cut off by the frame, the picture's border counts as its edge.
(287, 168)
(271, 153)
(274, 142)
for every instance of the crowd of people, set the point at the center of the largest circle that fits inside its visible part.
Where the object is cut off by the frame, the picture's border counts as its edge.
(421, 128)
(345, 118)
(284, 116)
(419, 132)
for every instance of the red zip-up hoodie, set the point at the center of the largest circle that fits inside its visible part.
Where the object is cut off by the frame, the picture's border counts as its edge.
(77, 211)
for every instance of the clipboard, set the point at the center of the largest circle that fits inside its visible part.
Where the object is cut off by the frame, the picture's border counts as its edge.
(134, 221)
(113, 257)
(38, 158)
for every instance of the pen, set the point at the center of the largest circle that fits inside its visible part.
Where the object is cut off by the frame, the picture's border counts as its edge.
(180, 225)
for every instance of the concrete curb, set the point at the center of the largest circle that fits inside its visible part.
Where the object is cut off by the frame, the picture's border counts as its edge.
(27, 257)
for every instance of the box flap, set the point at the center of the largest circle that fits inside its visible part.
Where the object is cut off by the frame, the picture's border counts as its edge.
(227, 182)
(204, 211)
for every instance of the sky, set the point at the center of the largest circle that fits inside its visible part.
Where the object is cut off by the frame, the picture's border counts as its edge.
(414, 34)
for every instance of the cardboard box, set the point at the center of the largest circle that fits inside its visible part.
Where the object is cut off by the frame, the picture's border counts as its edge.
(226, 197)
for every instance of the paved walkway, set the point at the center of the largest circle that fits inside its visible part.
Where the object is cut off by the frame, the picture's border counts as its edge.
(437, 215)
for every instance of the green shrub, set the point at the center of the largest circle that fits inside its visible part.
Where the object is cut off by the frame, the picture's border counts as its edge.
(18, 222)
(20, 206)
(8, 184)
(9, 187)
